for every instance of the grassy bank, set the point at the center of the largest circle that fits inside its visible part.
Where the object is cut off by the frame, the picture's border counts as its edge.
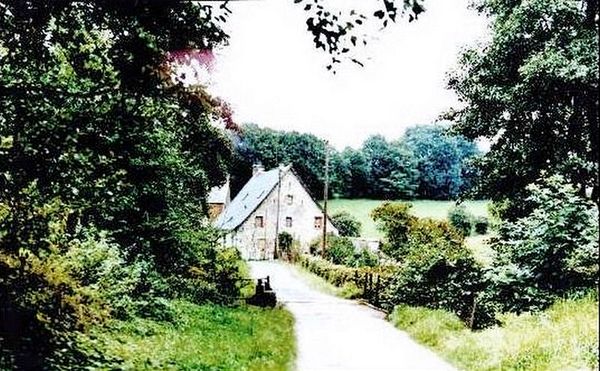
(207, 337)
(361, 209)
(347, 291)
(564, 337)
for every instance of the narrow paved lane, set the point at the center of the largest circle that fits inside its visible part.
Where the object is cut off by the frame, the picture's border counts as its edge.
(338, 334)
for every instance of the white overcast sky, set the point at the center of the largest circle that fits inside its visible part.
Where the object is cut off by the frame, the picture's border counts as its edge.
(272, 75)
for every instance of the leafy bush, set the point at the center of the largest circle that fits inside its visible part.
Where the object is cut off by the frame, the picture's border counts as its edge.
(350, 290)
(435, 268)
(365, 258)
(461, 219)
(549, 253)
(439, 272)
(285, 241)
(76, 278)
(335, 274)
(355, 282)
(347, 225)
(340, 250)
(315, 246)
(395, 221)
(481, 224)
(51, 294)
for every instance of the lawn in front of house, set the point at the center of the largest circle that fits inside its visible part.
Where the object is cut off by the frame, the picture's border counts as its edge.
(361, 209)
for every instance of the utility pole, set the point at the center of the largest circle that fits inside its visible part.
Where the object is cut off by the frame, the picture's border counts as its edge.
(325, 196)
(276, 252)
(276, 249)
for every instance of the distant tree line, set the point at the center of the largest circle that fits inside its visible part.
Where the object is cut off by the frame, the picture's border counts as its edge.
(427, 162)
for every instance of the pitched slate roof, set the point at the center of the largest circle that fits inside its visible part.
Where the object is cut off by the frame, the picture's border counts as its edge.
(249, 198)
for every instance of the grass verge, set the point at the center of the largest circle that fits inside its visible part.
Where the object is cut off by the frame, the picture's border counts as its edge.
(564, 337)
(206, 337)
(348, 291)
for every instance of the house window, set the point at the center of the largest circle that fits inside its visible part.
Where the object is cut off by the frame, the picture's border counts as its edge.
(289, 199)
(318, 222)
(259, 222)
(288, 221)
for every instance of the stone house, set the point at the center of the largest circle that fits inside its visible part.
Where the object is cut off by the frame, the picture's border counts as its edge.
(271, 201)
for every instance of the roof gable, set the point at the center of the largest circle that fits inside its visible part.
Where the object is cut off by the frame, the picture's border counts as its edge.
(249, 198)
(219, 195)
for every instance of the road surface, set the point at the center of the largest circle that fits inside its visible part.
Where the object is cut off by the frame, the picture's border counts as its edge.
(339, 334)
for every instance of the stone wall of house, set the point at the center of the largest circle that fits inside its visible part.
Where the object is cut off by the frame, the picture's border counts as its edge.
(256, 242)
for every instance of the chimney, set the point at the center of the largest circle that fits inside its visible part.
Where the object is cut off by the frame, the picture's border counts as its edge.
(257, 169)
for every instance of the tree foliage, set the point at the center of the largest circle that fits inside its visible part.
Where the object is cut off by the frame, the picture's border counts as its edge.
(347, 225)
(395, 221)
(392, 169)
(443, 161)
(532, 90)
(461, 219)
(91, 120)
(549, 253)
(434, 267)
(351, 176)
(305, 152)
(339, 31)
(427, 162)
(341, 251)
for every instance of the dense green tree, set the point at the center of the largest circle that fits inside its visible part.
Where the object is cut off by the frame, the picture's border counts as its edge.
(351, 174)
(305, 152)
(550, 253)
(395, 221)
(461, 219)
(346, 224)
(95, 135)
(427, 163)
(442, 161)
(90, 120)
(533, 91)
(392, 169)
(434, 268)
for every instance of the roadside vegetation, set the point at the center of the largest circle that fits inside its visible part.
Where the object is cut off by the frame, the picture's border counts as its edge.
(345, 291)
(200, 337)
(107, 258)
(521, 302)
(562, 337)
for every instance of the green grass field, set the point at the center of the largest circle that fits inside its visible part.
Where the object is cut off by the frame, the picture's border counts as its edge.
(563, 337)
(203, 337)
(361, 209)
